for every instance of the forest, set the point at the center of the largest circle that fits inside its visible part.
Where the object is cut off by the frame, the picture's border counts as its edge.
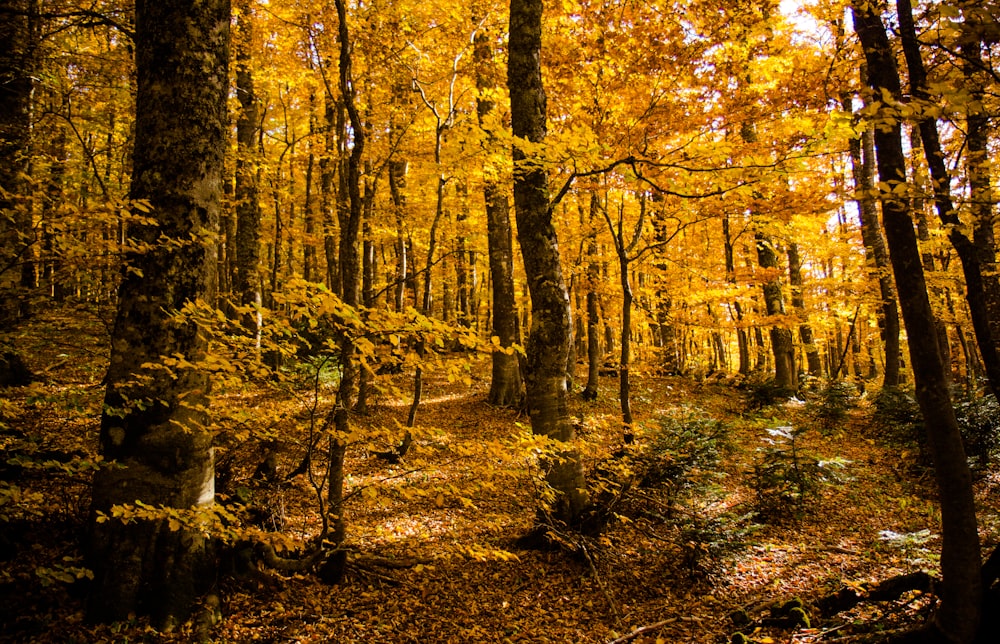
(580, 321)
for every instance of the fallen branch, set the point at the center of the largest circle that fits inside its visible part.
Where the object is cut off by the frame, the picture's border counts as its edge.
(643, 630)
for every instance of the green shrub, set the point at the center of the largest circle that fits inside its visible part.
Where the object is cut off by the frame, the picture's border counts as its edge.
(831, 403)
(681, 452)
(979, 422)
(760, 394)
(896, 415)
(787, 478)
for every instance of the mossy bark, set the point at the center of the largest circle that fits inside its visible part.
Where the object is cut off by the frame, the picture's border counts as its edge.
(548, 342)
(155, 433)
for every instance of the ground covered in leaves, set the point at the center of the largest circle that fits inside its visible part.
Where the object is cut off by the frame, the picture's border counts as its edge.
(757, 502)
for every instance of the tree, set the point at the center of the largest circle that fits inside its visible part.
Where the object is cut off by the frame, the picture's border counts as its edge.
(18, 25)
(155, 434)
(958, 617)
(982, 287)
(246, 278)
(505, 383)
(549, 338)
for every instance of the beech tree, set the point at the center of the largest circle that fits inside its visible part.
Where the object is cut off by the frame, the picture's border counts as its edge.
(958, 617)
(155, 429)
(551, 328)
(18, 26)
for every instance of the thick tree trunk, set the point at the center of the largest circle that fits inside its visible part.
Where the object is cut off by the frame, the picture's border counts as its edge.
(16, 73)
(548, 342)
(958, 616)
(782, 346)
(155, 428)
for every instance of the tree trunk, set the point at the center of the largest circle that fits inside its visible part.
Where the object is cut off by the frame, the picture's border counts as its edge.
(154, 430)
(876, 256)
(742, 341)
(350, 269)
(979, 171)
(813, 362)
(958, 616)
(782, 347)
(506, 384)
(246, 283)
(593, 312)
(16, 64)
(548, 341)
(981, 287)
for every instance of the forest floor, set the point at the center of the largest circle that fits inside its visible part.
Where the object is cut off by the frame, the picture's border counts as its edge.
(436, 556)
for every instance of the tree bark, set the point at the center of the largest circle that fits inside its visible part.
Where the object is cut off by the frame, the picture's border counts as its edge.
(506, 384)
(593, 311)
(958, 616)
(782, 347)
(350, 270)
(982, 288)
(17, 35)
(813, 362)
(246, 282)
(155, 428)
(876, 255)
(548, 341)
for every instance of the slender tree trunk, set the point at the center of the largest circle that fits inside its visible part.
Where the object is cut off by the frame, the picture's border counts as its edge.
(981, 287)
(246, 282)
(742, 339)
(350, 269)
(551, 323)
(958, 616)
(506, 384)
(329, 198)
(155, 428)
(876, 255)
(979, 171)
(813, 362)
(310, 264)
(593, 312)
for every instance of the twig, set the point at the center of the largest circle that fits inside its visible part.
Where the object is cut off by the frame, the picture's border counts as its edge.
(644, 629)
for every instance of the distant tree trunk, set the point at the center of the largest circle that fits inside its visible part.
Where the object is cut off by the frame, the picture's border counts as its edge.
(742, 340)
(782, 347)
(17, 36)
(981, 286)
(979, 168)
(155, 428)
(876, 255)
(506, 384)
(310, 264)
(813, 362)
(366, 376)
(958, 616)
(330, 198)
(246, 282)
(593, 312)
(548, 342)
